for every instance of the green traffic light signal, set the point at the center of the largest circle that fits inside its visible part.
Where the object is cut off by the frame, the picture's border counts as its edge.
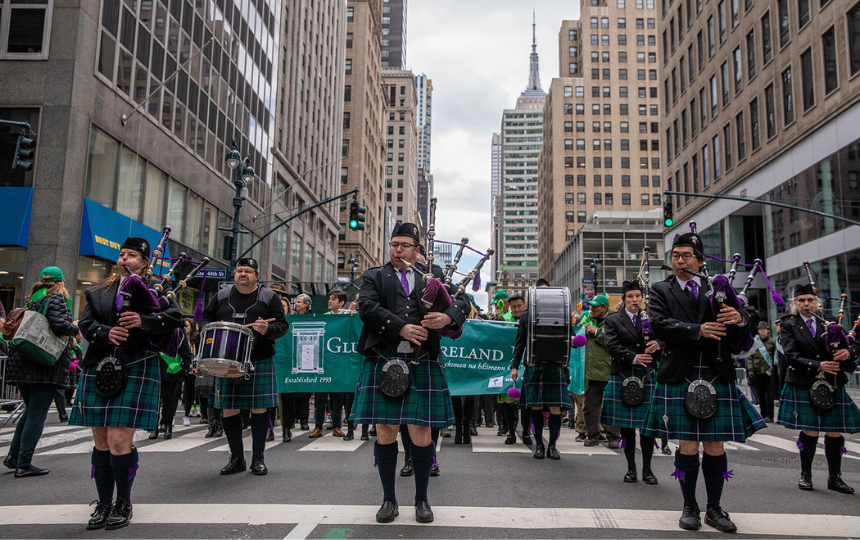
(668, 222)
(668, 215)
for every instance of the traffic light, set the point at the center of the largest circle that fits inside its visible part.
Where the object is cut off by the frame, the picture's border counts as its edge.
(668, 215)
(356, 216)
(24, 153)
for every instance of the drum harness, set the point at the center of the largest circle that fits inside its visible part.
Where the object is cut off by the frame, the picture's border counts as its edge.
(244, 316)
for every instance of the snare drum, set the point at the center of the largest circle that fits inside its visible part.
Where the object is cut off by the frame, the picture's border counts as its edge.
(225, 350)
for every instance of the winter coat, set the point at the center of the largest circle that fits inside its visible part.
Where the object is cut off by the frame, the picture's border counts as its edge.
(20, 370)
(597, 359)
(756, 363)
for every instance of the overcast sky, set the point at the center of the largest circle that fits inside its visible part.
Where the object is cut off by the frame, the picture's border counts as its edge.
(477, 54)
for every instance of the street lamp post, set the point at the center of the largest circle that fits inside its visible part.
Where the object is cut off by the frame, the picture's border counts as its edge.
(244, 175)
(595, 264)
(353, 266)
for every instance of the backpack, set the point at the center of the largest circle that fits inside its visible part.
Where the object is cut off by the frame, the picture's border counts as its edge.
(12, 322)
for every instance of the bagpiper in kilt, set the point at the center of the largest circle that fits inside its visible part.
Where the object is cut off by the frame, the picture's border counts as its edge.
(397, 326)
(632, 356)
(805, 349)
(114, 420)
(682, 318)
(246, 303)
(544, 388)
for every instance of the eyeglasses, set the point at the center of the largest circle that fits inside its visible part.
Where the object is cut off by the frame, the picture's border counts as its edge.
(398, 245)
(685, 256)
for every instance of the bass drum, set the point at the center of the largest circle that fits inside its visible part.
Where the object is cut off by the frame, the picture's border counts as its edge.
(225, 350)
(549, 327)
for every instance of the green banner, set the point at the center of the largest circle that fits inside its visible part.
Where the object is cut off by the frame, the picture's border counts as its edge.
(318, 354)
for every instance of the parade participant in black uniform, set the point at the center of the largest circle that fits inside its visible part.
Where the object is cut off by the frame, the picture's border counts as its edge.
(508, 406)
(107, 325)
(397, 327)
(632, 356)
(544, 388)
(803, 341)
(682, 319)
(245, 303)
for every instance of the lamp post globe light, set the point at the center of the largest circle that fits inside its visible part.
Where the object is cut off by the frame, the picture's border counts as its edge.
(244, 175)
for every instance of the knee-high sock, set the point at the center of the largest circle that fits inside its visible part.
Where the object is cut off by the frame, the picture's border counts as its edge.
(510, 412)
(537, 426)
(422, 462)
(554, 428)
(525, 420)
(124, 470)
(806, 444)
(647, 445)
(833, 453)
(407, 441)
(259, 431)
(687, 472)
(102, 473)
(713, 468)
(386, 463)
(629, 436)
(233, 430)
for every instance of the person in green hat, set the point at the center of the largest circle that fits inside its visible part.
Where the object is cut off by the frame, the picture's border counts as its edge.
(597, 364)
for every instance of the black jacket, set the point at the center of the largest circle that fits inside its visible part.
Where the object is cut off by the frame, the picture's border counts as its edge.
(376, 300)
(804, 353)
(19, 370)
(624, 341)
(101, 315)
(676, 318)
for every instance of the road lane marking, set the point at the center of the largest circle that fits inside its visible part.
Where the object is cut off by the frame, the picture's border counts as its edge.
(331, 444)
(6, 434)
(271, 444)
(301, 531)
(755, 524)
(776, 442)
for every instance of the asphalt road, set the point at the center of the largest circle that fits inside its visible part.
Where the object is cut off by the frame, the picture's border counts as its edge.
(328, 488)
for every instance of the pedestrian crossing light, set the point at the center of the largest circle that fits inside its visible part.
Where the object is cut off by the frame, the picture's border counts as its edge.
(23, 159)
(356, 216)
(668, 215)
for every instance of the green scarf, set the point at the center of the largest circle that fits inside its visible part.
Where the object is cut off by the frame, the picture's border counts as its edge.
(41, 293)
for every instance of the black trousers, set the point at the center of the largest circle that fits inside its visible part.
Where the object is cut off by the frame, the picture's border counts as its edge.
(169, 401)
(487, 404)
(188, 393)
(335, 403)
(765, 399)
(464, 409)
(296, 407)
(60, 402)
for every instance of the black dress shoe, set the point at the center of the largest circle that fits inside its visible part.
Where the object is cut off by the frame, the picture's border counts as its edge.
(666, 450)
(235, 465)
(836, 484)
(258, 466)
(210, 433)
(511, 438)
(153, 435)
(718, 518)
(120, 515)
(423, 512)
(30, 470)
(435, 471)
(581, 437)
(630, 477)
(168, 432)
(387, 512)
(540, 452)
(11, 462)
(372, 431)
(98, 519)
(527, 439)
(472, 430)
(407, 469)
(648, 476)
(304, 426)
(690, 520)
(552, 453)
(349, 435)
(219, 432)
(364, 435)
(805, 482)
(467, 438)
(270, 436)
(288, 436)
(64, 419)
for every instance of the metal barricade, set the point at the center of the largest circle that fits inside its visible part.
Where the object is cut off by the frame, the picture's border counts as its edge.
(10, 397)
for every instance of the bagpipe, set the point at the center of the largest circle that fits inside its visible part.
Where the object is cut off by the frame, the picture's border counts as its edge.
(440, 294)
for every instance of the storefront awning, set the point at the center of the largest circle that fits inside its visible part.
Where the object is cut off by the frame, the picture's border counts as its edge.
(15, 217)
(103, 231)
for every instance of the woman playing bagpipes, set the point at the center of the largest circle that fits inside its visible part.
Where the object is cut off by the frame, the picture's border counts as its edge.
(126, 327)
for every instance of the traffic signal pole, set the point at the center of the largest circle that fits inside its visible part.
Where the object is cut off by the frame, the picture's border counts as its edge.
(759, 201)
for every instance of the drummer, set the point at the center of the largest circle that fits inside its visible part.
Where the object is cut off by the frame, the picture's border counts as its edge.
(247, 303)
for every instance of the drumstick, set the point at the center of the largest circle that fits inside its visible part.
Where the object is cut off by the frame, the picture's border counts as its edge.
(249, 325)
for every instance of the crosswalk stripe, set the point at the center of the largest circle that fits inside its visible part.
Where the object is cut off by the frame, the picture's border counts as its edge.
(331, 444)
(776, 442)
(186, 441)
(518, 518)
(270, 444)
(6, 434)
(738, 446)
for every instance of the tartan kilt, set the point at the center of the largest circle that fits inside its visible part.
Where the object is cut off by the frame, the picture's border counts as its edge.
(258, 392)
(137, 405)
(426, 403)
(796, 412)
(617, 413)
(545, 386)
(735, 419)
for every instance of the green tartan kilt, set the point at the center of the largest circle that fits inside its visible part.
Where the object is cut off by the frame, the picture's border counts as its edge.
(617, 413)
(137, 405)
(258, 392)
(426, 403)
(545, 386)
(796, 412)
(735, 419)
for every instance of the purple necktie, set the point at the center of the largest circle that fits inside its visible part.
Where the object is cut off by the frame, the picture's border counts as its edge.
(693, 287)
(634, 320)
(811, 324)
(403, 281)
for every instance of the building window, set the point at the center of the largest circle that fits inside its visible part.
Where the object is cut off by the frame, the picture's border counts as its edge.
(349, 40)
(724, 68)
(828, 44)
(580, 217)
(25, 28)
(769, 111)
(727, 145)
(346, 120)
(607, 199)
(754, 125)
(738, 70)
(784, 26)
(716, 146)
(705, 166)
(751, 54)
(580, 198)
(807, 79)
(598, 198)
(787, 98)
(803, 12)
(766, 50)
(711, 40)
(739, 128)
(713, 96)
(350, 14)
(721, 16)
(347, 93)
(349, 66)
(625, 199)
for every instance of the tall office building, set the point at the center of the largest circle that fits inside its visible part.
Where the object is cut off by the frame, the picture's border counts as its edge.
(134, 112)
(363, 145)
(308, 146)
(401, 149)
(601, 148)
(496, 202)
(521, 139)
(424, 196)
(760, 99)
(424, 117)
(394, 34)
